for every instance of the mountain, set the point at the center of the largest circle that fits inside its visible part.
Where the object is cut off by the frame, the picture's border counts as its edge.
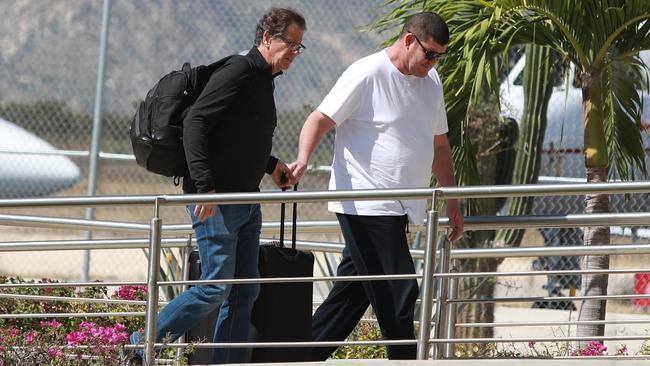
(50, 50)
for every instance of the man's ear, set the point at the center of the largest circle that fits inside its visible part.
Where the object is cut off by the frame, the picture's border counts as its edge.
(266, 38)
(408, 39)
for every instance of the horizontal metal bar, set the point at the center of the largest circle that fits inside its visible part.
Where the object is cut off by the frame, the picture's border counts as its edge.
(635, 249)
(172, 229)
(294, 279)
(105, 244)
(70, 284)
(70, 315)
(550, 251)
(341, 195)
(95, 244)
(68, 223)
(543, 189)
(75, 153)
(74, 299)
(226, 281)
(280, 344)
(541, 339)
(78, 153)
(556, 221)
(542, 273)
(331, 226)
(79, 201)
(549, 323)
(549, 298)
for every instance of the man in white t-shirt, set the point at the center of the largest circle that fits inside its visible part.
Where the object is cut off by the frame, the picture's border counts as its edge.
(391, 126)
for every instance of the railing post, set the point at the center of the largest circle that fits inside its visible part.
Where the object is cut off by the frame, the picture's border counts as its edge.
(450, 321)
(426, 292)
(185, 269)
(441, 308)
(152, 286)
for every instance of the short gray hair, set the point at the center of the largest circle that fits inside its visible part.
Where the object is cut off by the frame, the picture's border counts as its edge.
(276, 21)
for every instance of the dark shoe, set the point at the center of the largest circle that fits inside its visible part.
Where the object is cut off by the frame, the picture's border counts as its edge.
(136, 360)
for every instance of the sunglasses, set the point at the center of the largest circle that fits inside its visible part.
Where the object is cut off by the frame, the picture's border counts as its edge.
(429, 55)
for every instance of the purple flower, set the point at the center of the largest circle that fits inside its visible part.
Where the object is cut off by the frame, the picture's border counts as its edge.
(531, 344)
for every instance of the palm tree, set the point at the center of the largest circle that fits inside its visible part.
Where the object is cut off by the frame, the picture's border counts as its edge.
(601, 38)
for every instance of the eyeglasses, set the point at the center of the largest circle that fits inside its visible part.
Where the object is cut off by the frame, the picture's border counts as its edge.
(293, 46)
(429, 55)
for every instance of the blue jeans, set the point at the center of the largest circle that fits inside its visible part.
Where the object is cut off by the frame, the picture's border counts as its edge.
(228, 248)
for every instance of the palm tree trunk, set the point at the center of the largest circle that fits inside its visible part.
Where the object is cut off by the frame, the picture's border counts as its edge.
(475, 287)
(595, 285)
(596, 162)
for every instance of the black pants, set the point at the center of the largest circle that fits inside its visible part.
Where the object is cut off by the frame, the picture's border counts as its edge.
(374, 245)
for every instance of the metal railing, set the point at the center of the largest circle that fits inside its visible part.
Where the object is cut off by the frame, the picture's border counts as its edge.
(436, 287)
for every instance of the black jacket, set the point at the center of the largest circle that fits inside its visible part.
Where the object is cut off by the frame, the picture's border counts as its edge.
(228, 132)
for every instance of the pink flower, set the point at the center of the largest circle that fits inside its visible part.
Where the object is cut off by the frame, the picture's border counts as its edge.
(54, 352)
(29, 338)
(86, 325)
(594, 348)
(75, 338)
(54, 324)
(131, 292)
(622, 350)
(12, 332)
(100, 337)
(531, 344)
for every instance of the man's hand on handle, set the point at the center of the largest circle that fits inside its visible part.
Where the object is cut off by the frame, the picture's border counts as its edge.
(282, 176)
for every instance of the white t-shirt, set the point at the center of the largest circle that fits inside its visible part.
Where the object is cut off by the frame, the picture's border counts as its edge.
(385, 124)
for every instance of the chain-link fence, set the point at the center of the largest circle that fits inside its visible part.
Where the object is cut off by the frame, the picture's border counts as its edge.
(48, 69)
(48, 77)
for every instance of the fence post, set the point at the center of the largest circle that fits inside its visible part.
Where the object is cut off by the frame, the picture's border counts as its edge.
(426, 292)
(152, 285)
(97, 130)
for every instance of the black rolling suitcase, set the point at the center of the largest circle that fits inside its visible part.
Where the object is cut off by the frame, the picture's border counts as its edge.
(283, 311)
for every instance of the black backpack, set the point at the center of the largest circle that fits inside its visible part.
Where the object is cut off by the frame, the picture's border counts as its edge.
(157, 127)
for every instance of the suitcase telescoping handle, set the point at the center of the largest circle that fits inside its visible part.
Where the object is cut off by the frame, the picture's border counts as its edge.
(293, 227)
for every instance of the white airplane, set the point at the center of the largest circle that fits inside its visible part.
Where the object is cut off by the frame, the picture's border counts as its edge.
(565, 130)
(30, 166)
